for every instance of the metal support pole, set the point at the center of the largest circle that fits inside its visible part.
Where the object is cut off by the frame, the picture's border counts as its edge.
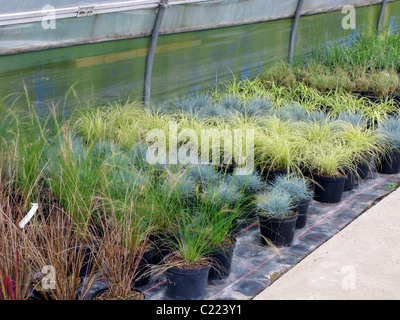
(294, 30)
(152, 48)
(379, 25)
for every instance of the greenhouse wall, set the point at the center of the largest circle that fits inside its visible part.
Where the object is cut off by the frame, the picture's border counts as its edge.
(102, 56)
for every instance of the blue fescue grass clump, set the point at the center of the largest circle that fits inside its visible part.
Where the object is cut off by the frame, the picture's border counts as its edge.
(258, 106)
(179, 186)
(292, 112)
(105, 147)
(389, 128)
(354, 118)
(204, 174)
(121, 181)
(213, 110)
(249, 183)
(318, 116)
(223, 194)
(237, 107)
(277, 203)
(298, 187)
(138, 154)
(233, 104)
(109, 152)
(193, 105)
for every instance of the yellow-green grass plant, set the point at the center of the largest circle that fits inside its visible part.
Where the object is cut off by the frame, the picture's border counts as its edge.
(325, 152)
(278, 145)
(365, 143)
(325, 79)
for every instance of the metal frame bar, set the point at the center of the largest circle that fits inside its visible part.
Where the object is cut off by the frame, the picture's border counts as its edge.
(292, 40)
(152, 48)
(381, 12)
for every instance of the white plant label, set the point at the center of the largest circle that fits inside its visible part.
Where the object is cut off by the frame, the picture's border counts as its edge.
(29, 215)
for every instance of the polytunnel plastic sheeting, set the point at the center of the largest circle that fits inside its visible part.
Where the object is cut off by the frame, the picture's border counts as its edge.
(184, 62)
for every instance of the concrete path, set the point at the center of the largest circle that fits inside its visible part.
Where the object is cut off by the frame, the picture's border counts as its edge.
(361, 262)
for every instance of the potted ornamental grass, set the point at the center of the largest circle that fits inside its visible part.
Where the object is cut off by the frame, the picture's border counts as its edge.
(277, 148)
(390, 130)
(167, 196)
(249, 183)
(365, 143)
(187, 266)
(222, 239)
(124, 251)
(125, 258)
(328, 167)
(221, 206)
(204, 174)
(356, 130)
(277, 217)
(75, 175)
(327, 158)
(277, 153)
(300, 189)
(131, 220)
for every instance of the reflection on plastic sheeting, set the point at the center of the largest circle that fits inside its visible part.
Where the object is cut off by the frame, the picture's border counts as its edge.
(184, 62)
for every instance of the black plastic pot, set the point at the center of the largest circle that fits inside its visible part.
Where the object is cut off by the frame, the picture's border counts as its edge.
(186, 284)
(221, 261)
(249, 215)
(302, 209)
(362, 170)
(390, 164)
(90, 291)
(38, 295)
(271, 174)
(162, 242)
(328, 189)
(86, 252)
(349, 183)
(86, 291)
(143, 273)
(243, 223)
(279, 231)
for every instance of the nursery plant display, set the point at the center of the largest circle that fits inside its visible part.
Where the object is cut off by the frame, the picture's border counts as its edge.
(187, 267)
(277, 217)
(301, 192)
(327, 157)
(366, 66)
(220, 208)
(108, 214)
